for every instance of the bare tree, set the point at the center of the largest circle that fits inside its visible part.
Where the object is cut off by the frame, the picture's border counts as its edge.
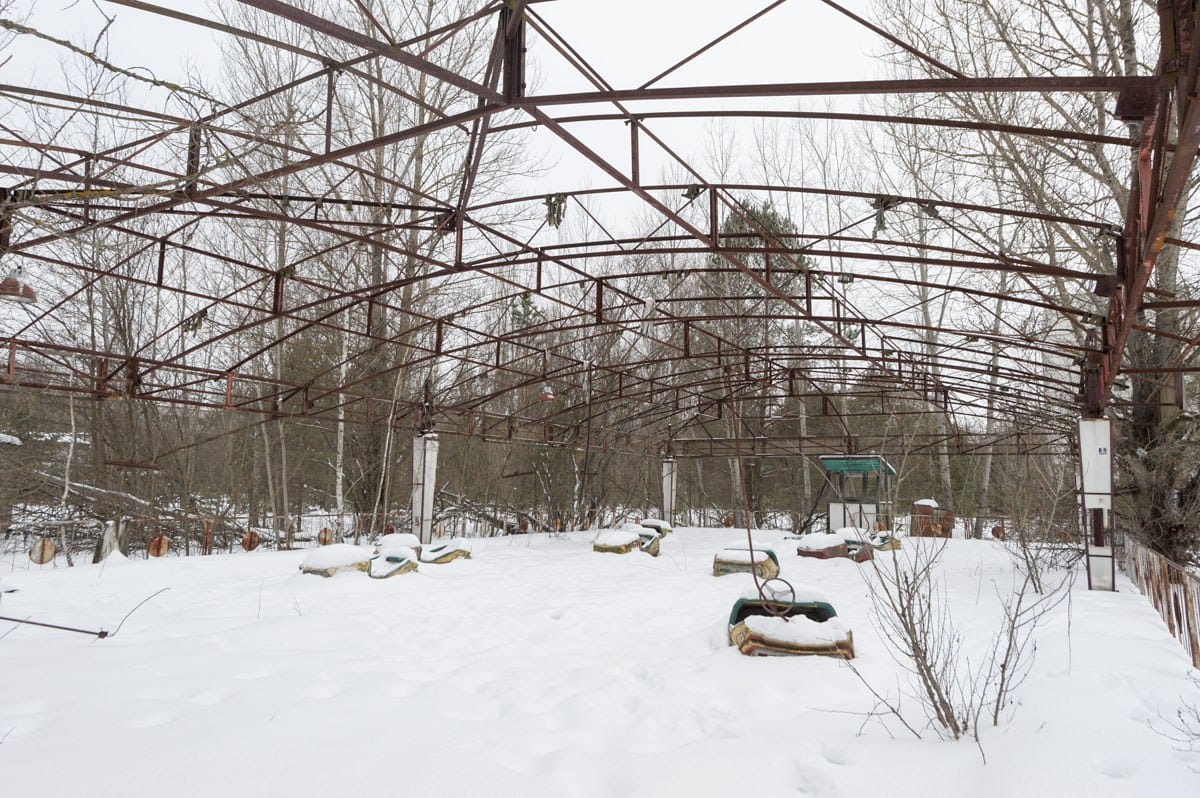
(1077, 180)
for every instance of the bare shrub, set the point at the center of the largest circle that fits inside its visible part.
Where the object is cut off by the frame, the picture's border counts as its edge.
(1013, 649)
(913, 616)
(1040, 551)
(911, 611)
(1184, 728)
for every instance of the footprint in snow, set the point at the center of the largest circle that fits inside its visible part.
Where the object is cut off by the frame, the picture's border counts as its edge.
(835, 756)
(811, 781)
(1118, 768)
(150, 720)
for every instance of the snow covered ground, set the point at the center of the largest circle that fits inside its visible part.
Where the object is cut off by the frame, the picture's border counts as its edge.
(540, 668)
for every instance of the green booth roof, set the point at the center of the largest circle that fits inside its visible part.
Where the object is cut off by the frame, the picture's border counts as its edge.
(856, 464)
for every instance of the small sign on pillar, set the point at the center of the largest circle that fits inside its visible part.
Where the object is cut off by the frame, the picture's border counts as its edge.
(1095, 488)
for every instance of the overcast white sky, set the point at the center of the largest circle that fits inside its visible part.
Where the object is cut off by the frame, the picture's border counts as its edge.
(628, 41)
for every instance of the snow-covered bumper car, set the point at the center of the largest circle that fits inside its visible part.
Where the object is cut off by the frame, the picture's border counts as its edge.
(657, 524)
(442, 553)
(407, 544)
(787, 628)
(336, 557)
(885, 541)
(846, 542)
(734, 560)
(623, 541)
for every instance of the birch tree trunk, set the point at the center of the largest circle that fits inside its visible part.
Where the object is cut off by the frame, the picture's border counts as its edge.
(985, 477)
(62, 529)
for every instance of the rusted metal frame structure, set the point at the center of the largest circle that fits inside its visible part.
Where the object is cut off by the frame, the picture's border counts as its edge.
(514, 86)
(712, 236)
(226, 299)
(867, 196)
(1064, 83)
(148, 366)
(276, 311)
(302, 222)
(222, 395)
(1158, 184)
(212, 389)
(589, 250)
(701, 377)
(963, 360)
(966, 364)
(834, 116)
(214, 192)
(558, 375)
(1157, 188)
(581, 252)
(427, 319)
(179, 197)
(179, 125)
(597, 317)
(882, 346)
(1013, 336)
(710, 317)
(1005, 443)
(675, 244)
(615, 95)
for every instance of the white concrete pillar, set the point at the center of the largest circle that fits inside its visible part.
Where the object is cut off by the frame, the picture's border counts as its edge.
(668, 490)
(1095, 490)
(107, 543)
(424, 483)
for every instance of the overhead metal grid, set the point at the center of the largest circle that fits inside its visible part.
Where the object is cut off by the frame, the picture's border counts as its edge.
(188, 210)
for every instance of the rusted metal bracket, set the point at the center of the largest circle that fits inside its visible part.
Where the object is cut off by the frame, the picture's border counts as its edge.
(512, 25)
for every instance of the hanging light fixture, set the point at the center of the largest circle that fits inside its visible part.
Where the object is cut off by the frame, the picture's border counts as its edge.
(556, 206)
(15, 289)
(547, 394)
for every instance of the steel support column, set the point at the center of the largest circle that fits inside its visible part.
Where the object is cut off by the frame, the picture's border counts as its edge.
(512, 25)
(1095, 493)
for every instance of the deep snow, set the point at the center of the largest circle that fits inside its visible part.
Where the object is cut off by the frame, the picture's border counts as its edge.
(540, 668)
